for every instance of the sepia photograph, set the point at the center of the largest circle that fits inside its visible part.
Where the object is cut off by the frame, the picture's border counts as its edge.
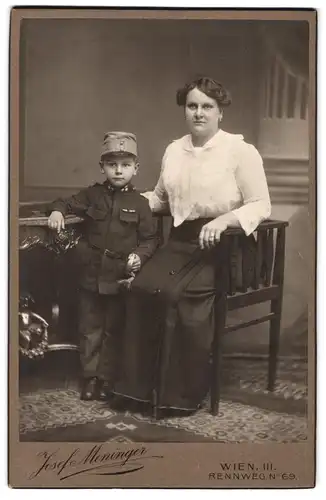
(165, 205)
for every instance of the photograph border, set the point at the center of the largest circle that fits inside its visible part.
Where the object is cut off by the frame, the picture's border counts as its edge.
(195, 461)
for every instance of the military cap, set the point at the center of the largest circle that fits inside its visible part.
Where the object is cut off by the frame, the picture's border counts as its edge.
(119, 142)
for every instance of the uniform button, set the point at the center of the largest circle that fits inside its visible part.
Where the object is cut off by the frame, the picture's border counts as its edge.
(157, 290)
(172, 273)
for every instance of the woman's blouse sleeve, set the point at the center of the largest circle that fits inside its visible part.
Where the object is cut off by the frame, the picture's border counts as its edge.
(158, 199)
(251, 180)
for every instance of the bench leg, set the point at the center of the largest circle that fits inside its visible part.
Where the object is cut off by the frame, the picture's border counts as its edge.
(155, 411)
(219, 324)
(274, 342)
(276, 308)
(215, 399)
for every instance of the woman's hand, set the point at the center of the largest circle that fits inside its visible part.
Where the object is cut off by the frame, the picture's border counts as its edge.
(56, 221)
(133, 263)
(211, 233)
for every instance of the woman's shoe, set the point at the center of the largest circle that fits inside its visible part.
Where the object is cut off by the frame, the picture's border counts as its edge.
(163, 413)
(89, 390)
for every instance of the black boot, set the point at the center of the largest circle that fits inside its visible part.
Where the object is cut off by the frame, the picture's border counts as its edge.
(104, 390)
(89, 390)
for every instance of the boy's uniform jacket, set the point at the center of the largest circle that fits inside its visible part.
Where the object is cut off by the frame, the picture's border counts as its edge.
(117, 223)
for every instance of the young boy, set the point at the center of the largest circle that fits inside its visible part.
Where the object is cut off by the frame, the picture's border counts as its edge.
(119, 237)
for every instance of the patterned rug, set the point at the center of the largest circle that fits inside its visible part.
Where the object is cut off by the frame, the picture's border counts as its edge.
(248, 413)
(251, 375)
(59, 415)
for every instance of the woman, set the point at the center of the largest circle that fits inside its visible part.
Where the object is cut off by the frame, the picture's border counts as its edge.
(210, 180)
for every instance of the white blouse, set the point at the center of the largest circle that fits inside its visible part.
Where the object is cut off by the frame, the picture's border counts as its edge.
(225, 175)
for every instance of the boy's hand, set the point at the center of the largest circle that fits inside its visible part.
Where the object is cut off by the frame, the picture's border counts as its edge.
(56, 221)
(133, 263)
(126, 283)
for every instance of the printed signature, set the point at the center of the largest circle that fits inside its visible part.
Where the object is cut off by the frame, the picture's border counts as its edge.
(95, 461)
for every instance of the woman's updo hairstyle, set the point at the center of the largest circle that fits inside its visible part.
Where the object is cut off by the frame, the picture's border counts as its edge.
(210, 87)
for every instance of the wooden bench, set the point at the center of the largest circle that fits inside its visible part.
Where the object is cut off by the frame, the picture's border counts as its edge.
(261, 283)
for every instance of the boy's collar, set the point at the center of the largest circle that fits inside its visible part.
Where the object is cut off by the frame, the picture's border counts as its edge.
(126, 189)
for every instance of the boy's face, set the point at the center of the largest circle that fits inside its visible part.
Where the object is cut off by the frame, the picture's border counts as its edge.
(119, 169)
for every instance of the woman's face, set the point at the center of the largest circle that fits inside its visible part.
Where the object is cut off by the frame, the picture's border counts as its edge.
(202, 114)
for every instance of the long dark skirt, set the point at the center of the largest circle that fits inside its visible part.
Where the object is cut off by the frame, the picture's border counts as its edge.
(169, 324)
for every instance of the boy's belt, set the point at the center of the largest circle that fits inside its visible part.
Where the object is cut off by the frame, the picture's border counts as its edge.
(114, 255)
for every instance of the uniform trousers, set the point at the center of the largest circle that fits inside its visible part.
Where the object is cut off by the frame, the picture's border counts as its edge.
(101, 319)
